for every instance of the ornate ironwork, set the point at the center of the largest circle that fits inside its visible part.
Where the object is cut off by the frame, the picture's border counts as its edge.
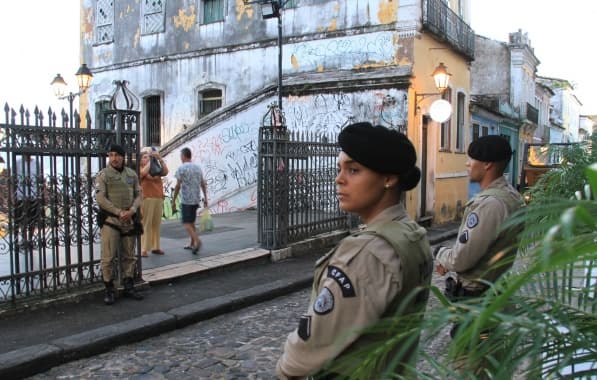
(296, 179)
(49, 240)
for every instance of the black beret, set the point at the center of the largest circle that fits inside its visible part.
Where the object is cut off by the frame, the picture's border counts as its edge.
(383, 150)
(117, 149)
(490, 148)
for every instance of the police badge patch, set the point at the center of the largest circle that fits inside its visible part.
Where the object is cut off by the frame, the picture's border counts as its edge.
(472, 220)
(324, 302)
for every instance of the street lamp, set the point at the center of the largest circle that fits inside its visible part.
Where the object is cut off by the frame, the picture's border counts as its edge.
(441, 109)
(271, 9)
(84, 77)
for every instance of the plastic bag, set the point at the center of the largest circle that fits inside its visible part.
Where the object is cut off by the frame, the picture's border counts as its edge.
(155, 169)
(206, 223)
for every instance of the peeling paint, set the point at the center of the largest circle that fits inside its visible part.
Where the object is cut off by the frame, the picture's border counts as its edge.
(294, 62)
(242, 8)
(87, 22)
(388, 11)
(183, 20)
(320, 68)
(187, 45)
(333, 25)
(137, 37)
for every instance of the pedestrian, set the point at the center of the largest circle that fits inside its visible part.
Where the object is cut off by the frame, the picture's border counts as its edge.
(477, 257)
(368, 274)
(189, 182)
(152, 207)
(118, 196)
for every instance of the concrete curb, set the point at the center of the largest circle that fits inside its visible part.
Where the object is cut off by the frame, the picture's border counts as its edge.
(30, 360)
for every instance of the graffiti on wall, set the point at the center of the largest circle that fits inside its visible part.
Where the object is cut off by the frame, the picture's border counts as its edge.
(344, 52)
(228, 155)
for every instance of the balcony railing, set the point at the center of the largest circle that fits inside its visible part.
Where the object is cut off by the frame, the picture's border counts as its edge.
(446, 25)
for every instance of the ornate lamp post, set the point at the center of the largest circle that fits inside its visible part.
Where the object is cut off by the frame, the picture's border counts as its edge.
(84, 77)
(440, 109)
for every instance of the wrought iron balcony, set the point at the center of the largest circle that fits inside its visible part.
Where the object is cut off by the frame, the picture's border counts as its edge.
(447, 26)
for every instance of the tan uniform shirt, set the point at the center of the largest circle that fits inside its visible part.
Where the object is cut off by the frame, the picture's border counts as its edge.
(484, 215)
(358, 281)
(117, 191)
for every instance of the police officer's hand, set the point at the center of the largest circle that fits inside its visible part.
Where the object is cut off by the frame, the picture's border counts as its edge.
(440, 269)
(126, 215)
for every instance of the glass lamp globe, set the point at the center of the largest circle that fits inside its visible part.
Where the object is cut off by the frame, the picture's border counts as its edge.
(440, 110)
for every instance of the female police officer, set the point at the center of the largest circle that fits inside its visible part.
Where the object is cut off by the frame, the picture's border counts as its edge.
(367, 275)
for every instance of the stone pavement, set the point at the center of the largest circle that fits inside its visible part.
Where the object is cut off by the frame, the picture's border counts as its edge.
(231, 272)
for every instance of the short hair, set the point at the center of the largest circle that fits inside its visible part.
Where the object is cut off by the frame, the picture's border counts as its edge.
(186, 152)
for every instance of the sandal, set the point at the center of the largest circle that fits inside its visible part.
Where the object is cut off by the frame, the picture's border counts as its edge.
(197, 248)
(144, 254)
(157, 252)
(190, 247)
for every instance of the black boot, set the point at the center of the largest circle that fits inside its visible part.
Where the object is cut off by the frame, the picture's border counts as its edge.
(129, 290)
(110, 293)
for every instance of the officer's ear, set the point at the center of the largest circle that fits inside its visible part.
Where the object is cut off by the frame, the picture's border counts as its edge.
(391, 181)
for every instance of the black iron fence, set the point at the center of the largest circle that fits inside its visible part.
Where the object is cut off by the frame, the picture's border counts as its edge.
(296, 179)
(49, 238)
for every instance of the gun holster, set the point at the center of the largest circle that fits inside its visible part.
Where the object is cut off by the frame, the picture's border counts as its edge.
(453, 289)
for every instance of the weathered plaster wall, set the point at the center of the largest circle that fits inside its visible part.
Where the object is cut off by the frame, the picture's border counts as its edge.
(446, 171)
(490, 72)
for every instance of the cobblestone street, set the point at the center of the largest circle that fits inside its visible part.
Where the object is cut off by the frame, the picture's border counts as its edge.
(241, 345)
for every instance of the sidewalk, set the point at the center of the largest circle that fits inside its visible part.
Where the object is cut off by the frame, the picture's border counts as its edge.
(230, 272)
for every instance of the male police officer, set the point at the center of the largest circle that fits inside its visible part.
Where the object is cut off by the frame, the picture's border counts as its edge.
(118, 195)
(479, 247)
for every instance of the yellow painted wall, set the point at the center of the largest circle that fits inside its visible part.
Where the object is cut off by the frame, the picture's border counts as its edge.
(451, 193)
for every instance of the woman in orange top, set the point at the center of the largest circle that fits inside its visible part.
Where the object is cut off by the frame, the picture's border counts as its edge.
(153, 203)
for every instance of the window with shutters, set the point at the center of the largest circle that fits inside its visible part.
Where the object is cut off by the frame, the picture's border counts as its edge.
(460, 122)
(104, 21)
(209, 101)
(212, 11)
(446, 127)
(153, 16)
(153, 120)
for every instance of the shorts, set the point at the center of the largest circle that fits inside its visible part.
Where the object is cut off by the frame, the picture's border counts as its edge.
(189, 213)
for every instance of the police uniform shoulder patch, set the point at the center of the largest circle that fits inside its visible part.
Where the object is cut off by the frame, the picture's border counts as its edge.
(324, 303)
(463, 238)
(304, 328)
(472, 220)
(343, 281)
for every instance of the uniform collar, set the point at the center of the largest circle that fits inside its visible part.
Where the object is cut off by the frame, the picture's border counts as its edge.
(391, 213)
(497, 183)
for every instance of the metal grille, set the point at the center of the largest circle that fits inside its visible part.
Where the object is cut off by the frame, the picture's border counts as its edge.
(153, 121)
(296, 179)
(104, 21)
(153, 16)
(448, 26)
(49, 241)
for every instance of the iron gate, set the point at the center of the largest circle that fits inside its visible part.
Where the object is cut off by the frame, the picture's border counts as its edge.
(296, 184)
(49, 240)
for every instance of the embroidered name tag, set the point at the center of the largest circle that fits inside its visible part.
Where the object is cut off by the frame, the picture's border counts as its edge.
(343, 281)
